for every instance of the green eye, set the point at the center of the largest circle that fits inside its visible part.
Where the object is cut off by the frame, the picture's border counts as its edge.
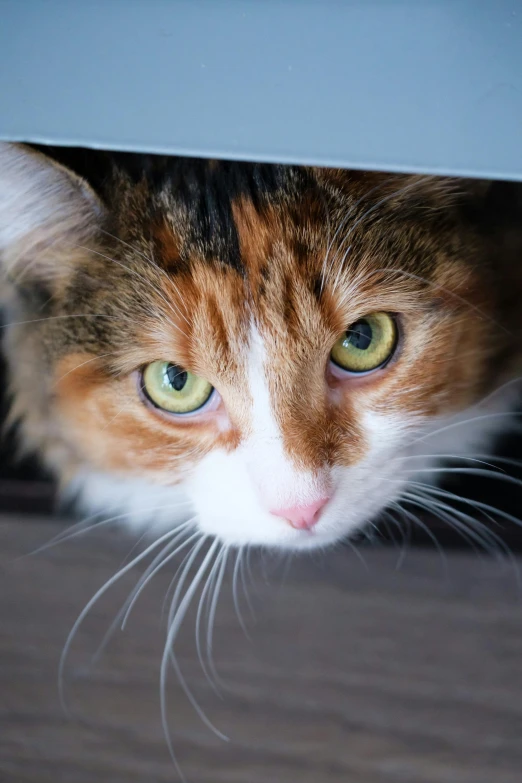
(367, 344)
(174, 389)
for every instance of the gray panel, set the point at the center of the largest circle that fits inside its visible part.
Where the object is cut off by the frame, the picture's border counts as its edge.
(414, 85)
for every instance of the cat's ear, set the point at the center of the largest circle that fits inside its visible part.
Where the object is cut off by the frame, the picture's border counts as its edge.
(46, 213)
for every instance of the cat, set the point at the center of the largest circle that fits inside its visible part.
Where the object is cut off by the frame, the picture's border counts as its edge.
(271, 354)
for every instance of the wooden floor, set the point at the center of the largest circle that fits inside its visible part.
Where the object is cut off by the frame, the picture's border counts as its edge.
(349, 676)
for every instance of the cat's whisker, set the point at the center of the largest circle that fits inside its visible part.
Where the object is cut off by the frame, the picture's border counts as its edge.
(145, 534)
(218, 583)
(462, 423)
(95, 598)
(80, 528)
(451, 497)
(376, 205)
(419, 523)
(351, 212)
(346, 217)
(447, 291)
(205, 593)
(517, 463)
(174, 585)
(149, 283)
(500, 389)
(154, 568)
(61, 318)
(493, 474)
(484, 508)
(249, 577)
(406, 540)
(159, 561)
(235, 593)
(340, 271)
(470, 527)
(455, 457)
(472, 537)
(357, 553)
(339, 228)
(120, 411)
(78, 366)
(17, 279)
(169, 657)
(404, 536)
(155, 265)
(245, 573)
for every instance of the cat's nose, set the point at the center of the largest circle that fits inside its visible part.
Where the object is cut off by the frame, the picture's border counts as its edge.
(302, 517)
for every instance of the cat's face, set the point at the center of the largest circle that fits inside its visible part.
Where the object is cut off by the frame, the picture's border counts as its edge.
(270, 343)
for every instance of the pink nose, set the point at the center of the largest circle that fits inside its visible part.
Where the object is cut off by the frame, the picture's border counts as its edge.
(302, 517)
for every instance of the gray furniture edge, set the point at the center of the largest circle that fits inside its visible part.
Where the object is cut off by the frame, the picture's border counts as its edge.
(395, 85)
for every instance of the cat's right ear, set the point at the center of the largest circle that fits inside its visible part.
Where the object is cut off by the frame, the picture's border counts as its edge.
(46, 213)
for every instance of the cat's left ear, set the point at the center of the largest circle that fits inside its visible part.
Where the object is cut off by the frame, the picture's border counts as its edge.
(46, 213)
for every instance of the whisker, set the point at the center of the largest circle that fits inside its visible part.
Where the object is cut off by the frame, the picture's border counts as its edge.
(153, 263)
(123, 614)
(173, 586)
(357, 553)
(169, 655)
(151, 572)
(78, 366)
(417, 521)
(66, 535)
(456, 457)
(212, 614)
(474, 528)
(235, 594)
(405, 537)
(149, 283)
(204, 593)
(79, 620)
(371, 209)
(246, 572)
(61, 317)
(483, 507)
(455, 296)
(437, 509)
(492, 474)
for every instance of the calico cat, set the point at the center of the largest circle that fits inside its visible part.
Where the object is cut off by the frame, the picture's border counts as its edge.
(273, 353)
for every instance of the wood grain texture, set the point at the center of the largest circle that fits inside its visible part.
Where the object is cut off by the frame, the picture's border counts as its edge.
(350, 675)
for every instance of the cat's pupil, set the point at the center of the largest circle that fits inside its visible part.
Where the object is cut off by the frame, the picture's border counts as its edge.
(177, 376)
(360, 335)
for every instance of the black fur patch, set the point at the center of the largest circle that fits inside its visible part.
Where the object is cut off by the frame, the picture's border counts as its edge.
(203, 190)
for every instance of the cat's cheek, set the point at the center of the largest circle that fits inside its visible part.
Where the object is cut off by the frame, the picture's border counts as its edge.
(109, 429)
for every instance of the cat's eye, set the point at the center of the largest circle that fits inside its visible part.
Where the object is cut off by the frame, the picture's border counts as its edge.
(367, 344)
(174, 389)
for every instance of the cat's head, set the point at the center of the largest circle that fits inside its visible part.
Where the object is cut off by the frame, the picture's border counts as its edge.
(270, 342)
